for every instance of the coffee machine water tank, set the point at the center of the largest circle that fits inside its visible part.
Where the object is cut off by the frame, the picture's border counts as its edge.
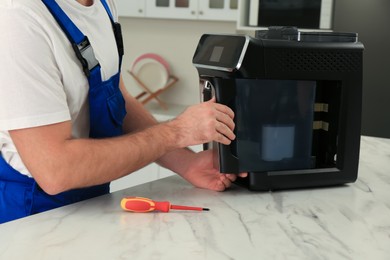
(297, 103)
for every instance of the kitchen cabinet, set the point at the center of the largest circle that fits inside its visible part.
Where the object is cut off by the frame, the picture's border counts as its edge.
(131, 8)
(221, 10)
(186, 9)
(217, 10)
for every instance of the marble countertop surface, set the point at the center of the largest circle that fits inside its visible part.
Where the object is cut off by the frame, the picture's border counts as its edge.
(348, 222)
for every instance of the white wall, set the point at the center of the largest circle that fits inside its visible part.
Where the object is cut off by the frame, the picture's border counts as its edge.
(176, 41)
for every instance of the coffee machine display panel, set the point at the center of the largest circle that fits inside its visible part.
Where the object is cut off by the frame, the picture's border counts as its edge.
(222, 52)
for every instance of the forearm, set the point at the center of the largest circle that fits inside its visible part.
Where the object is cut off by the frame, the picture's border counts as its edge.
(62, 163)
(108, 159)
(177, 160)
(90, 162)
(139, 118)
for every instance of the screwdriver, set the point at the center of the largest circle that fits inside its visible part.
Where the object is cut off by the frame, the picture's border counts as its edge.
(140, 204)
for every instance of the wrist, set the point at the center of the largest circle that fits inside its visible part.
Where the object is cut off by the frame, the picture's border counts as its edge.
(177, 132)
(183, 156)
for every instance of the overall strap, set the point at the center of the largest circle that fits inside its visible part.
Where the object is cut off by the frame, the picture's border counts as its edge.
(80, 42)
(104, 3)
(117, 32)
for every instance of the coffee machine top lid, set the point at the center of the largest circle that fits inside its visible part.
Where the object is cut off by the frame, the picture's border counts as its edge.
(292, 34)
(243, 56)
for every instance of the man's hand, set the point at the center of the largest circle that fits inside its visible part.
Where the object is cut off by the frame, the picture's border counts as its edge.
(203, 123)
(201, 173)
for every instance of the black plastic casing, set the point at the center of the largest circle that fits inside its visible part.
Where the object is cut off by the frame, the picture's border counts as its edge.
(320, 59)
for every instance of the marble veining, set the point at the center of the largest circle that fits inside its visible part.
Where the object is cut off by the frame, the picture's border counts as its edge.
(347, 222)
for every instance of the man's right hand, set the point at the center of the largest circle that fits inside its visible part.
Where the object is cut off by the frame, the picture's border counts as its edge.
(203, 123)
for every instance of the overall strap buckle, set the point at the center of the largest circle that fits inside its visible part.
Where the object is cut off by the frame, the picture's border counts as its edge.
(118, 38)
(84, 53)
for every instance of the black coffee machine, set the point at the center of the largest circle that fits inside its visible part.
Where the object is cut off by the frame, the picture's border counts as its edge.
(297, 98)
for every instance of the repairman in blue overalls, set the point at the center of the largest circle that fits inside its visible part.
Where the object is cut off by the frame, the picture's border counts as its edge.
(68, 127)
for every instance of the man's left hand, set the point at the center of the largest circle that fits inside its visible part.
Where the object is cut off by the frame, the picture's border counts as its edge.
(202, 174)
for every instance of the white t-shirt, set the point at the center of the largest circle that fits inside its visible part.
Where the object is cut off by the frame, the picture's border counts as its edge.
(41, 80)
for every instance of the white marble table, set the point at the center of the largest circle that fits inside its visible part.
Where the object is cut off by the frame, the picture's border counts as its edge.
(349, 222)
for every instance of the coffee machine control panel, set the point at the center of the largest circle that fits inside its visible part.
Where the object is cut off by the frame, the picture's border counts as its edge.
(291, 33)
(221, 52)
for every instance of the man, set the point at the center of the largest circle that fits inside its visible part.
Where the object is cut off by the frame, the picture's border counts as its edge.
(67, 125)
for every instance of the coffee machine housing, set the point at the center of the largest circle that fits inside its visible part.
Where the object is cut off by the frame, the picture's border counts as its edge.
(297, 98)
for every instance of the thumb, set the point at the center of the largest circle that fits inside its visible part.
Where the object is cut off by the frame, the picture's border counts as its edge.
(212, 100)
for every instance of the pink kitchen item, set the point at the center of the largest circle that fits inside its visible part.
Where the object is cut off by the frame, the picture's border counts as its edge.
(152, 73)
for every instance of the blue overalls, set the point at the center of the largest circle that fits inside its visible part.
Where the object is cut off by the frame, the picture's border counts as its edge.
(20, 195)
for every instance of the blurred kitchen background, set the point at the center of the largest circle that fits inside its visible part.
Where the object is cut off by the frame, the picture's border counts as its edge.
(172, 28)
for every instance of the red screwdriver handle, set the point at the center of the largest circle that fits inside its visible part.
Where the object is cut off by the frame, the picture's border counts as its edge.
(163, 206)
(140, 204)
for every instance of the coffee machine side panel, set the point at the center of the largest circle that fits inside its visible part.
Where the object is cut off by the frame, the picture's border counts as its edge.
(225, 92)
(350, 127)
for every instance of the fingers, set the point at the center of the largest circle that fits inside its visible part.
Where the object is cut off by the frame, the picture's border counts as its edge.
(226, 182)
(222, 108)
(203, 123)
(225, 110)
(243, 175)
(231, 177)
(227, 179)
(225, 124)
(224, 135)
